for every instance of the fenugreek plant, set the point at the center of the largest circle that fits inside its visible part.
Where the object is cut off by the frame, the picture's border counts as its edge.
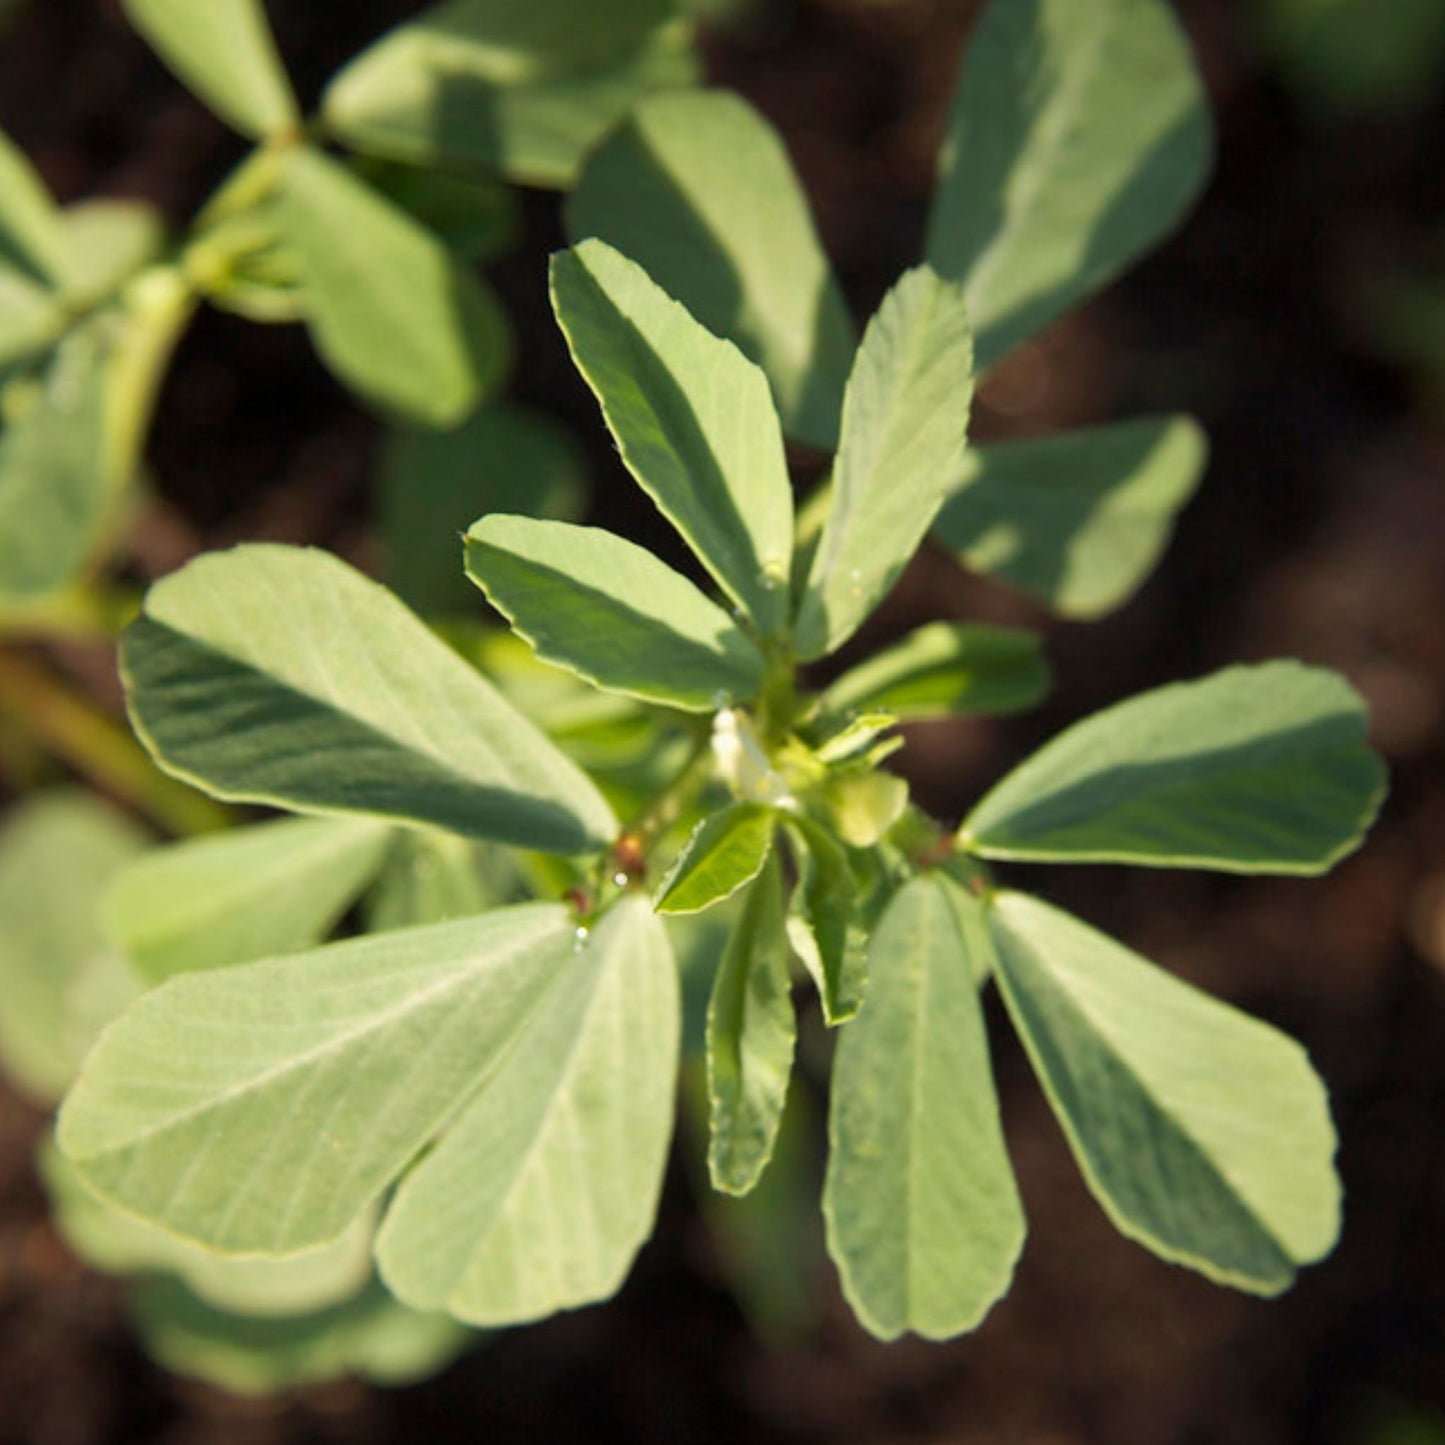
(477, 1088)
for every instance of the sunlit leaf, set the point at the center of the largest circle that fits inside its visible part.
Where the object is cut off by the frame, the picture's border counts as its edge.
(726, 850)
(905, 417)
(391, 309)
(1076, 520)
(612, 612)
(923, 1216)
(693, 419)
(751, 1029)
(262, 1108)
(1079, 134)
(279, 675)
(1204, 1133)
(32, 234)
(697, 188)
(820, 927)
(527, 89)
(947, 668)
(547, 1184)
(1261, 769)
(58, 852)
(223, 50)
(243, 894)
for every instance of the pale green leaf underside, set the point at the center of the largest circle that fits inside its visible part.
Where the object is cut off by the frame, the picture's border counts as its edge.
(371, 1336)
(55, 493)
(223, 49)
(751, 1030)
(58, 852)
(432, 485)
(1261, 769)
(1077, 520)
(611, 612)
(525, 89)
(119, 1243)
(693, 419)
(820, 927)
(1204, 1133)
(279, 675)
(947, 668)
(262, 1108)
(244, 894)
(1078, 135)
(726, 850)
(923, 1217)
(905, 417)
(547, 1184)
(391, 310)
(32, 234)
(697, 188)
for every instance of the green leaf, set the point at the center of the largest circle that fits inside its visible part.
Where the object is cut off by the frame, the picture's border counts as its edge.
(107, 242)
(223, 50)
(431, 877)
(526, 89)
(57, 853)
(1079, 520)
(692, 417)
(118, 1243)
(1204, 1133)
(820, 926)
(947, 668)
(697, 188)
(55, 492)
(391, 310)
(240, 895)
(864, 804)
(260, 1109)
(611, 612)
(905, 418)
(751, 1030)
(371, 1336)
(1079, 134)
(32, 234)
(279, 675)
(1261, 769)
(923, 1218)
(434, 484)
(476, 219)
(31, 317)
(573, 1125)
(726, 850)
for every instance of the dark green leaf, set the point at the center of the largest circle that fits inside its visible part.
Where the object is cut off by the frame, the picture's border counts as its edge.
(824, 905)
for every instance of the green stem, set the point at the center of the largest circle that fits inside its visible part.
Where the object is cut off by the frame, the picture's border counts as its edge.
(72, 729)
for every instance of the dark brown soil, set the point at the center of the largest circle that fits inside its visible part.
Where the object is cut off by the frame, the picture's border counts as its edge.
(1320, 533)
